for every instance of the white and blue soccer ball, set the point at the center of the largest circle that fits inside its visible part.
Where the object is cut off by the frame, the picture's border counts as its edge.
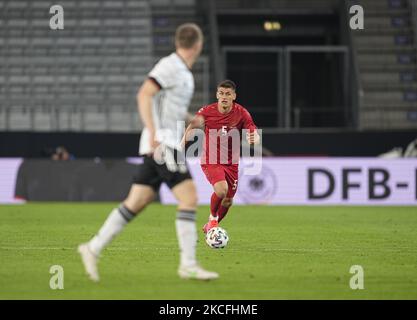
(217, 238)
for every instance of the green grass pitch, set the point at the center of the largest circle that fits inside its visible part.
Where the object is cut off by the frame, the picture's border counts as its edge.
(273, 253)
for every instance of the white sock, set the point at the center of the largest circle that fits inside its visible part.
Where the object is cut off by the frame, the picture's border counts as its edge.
(211, 217)
(187, 237)
(114, 224)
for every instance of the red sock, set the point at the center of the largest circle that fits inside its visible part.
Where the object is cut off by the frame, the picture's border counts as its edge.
(221, 213)
(215, 204)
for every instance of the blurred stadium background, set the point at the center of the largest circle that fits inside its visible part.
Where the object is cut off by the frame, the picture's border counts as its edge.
(315, 86)
(302, 72)
(330, 101)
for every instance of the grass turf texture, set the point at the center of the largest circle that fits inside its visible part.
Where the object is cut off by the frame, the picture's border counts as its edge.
(273, 253)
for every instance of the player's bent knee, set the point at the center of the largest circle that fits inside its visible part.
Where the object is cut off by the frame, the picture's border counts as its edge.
(221, 190)
(227, 202)
(221, 193)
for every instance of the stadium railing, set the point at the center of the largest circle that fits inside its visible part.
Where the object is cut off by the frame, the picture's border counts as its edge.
(333, 115)
(285, 109)
(290, 108)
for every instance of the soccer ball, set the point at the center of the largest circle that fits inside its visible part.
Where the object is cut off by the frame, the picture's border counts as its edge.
(217, 238)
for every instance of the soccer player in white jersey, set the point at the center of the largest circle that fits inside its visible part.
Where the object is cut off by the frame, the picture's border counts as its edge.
(163, 100)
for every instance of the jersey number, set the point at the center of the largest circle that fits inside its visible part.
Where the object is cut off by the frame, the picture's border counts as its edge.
(234, 185)
(224, 130)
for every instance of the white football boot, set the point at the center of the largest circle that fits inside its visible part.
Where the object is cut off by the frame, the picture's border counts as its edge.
(197, 273)
(89, 261)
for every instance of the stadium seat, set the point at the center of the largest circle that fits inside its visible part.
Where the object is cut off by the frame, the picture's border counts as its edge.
(386, 57)
(17, 4)
(3, 115)
(94, 120)
(43, 118)
(19, 118)
(100, 58)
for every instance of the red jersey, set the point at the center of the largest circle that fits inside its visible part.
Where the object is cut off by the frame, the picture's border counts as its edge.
(223, 133)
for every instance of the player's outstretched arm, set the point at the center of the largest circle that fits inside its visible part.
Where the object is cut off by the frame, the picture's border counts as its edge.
(144, 100)
(196, 122)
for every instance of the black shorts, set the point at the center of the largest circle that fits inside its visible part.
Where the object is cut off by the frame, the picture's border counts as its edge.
(152, 174)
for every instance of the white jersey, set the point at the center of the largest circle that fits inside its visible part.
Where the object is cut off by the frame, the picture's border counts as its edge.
(170, 104)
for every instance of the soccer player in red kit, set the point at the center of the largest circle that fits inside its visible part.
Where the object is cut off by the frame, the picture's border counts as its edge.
(222, 122)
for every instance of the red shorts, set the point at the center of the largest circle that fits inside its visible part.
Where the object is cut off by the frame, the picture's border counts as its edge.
(217, 172)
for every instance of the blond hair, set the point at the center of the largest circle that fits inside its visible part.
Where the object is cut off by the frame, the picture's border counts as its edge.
(187, 35)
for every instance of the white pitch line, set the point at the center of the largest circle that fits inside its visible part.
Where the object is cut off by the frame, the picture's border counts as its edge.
(152, 248)
(74, 248)
(228, 249)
